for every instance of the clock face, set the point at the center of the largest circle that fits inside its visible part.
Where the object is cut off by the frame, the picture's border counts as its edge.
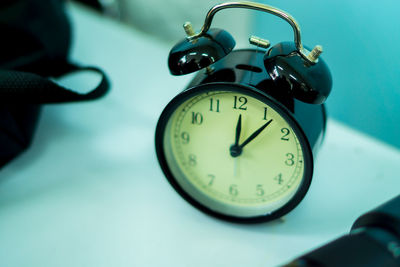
(233, 152)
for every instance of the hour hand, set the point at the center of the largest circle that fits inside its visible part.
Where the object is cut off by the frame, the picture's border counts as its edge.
(235, 149)
(238, 130)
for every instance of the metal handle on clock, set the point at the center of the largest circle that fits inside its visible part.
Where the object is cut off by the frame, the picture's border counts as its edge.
(311, 57)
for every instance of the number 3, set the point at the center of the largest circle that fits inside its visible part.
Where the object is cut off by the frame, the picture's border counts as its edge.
(290, 159)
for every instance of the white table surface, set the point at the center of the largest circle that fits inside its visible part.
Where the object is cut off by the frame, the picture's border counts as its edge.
(89, 192)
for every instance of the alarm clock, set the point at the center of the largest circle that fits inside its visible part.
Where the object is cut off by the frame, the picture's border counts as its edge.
(239, 143)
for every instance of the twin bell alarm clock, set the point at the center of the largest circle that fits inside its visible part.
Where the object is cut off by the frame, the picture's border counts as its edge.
(239, 142)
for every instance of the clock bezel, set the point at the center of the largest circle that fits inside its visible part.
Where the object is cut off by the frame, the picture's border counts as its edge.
(261, 96)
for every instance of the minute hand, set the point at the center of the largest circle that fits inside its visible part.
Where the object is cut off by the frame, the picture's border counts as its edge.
(254, 135)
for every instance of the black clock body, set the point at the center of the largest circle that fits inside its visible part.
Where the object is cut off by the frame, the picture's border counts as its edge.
(243, 70)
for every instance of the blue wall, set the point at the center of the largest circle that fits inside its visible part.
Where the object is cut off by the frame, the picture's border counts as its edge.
(361, 41)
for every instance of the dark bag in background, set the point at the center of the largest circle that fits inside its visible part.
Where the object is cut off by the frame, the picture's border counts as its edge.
(34, 45)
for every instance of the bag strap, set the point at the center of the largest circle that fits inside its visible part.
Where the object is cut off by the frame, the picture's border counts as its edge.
(17, 87)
